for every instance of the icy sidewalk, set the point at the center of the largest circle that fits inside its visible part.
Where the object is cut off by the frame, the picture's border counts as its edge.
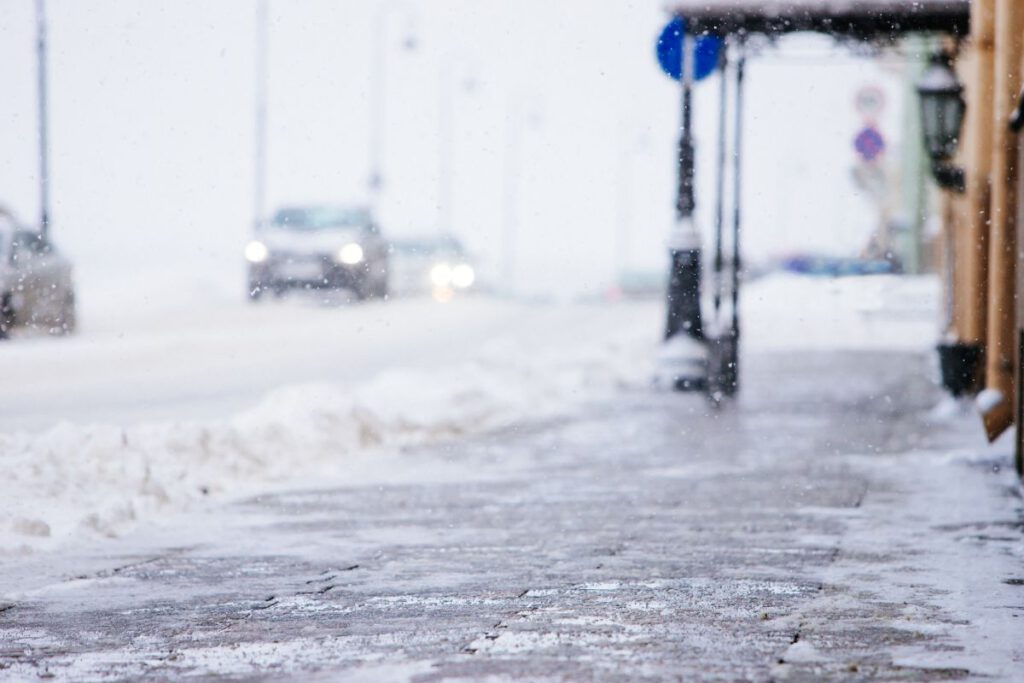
(822, 529)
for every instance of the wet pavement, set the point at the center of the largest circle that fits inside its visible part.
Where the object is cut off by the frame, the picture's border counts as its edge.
(817, 530)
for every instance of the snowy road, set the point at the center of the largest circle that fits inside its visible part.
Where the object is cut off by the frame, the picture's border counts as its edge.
(217, 357)
(163, 353)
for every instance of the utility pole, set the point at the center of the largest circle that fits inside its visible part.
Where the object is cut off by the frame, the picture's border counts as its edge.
(44, 151)
(378, 73)
(260, 164)
(378, 94)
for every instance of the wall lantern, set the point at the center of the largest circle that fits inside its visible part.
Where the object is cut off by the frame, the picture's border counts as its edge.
(942, 116)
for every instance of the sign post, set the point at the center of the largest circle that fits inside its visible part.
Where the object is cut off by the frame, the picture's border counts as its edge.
(686, 59)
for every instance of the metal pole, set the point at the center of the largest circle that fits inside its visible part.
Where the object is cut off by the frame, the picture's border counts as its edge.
(684, 315)
(260, 166)
(378, 93)
(731, 371)
(720, 183)
(737, 196)
(44, 152)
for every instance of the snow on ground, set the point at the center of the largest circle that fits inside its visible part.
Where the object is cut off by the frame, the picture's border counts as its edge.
(957, 538)
(883, 312)
(397, 380)
(163, 402)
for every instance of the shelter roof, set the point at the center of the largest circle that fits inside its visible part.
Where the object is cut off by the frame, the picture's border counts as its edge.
(858, 18)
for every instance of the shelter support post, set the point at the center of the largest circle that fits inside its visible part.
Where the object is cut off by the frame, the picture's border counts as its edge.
(1000, 357)
(1018, 455)
(737, 203)
(972, 258)
(1019, 331)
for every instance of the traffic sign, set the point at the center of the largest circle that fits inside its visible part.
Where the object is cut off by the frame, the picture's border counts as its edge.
(871, 179)
(706, 51)
(870, 101)
(869, 143)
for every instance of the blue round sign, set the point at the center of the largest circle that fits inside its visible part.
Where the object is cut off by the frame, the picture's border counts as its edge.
(869, 143)
(706, 51)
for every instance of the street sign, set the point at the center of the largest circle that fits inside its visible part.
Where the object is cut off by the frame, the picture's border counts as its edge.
(669, 50)
(869, 143)
(869, 102)
(870, 179)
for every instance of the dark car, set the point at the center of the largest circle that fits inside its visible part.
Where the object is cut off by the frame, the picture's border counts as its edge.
(36, 289)
(319, 247)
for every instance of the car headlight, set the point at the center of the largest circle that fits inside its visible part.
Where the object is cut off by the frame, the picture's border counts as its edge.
(350, 254)
(256, 252)
(463, 276)
(441, 275)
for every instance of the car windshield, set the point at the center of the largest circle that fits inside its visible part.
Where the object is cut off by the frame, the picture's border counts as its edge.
(430, 246)
(320, 218)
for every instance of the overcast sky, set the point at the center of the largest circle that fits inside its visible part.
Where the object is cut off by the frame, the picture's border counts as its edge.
(560, 119)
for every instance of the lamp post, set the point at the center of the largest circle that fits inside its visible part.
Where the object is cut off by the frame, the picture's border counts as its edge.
(44, 155)
(378, 93)
(942, 116)
(685, 351)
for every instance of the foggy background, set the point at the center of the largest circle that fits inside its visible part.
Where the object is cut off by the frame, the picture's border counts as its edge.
(561, 122)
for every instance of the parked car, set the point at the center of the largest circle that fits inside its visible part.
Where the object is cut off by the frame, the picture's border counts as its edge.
(36, 289)
(437, 264)
(319, 247)
(834, 266)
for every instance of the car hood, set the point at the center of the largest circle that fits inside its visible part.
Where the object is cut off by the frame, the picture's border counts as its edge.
(312, 241)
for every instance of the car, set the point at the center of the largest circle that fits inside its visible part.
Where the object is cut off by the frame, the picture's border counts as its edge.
(319, 247)
(36, 289)
(437, 264)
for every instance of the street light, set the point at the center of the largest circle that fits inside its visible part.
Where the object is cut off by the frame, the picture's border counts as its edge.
(44, 151)
(378, 88)
(942, 116)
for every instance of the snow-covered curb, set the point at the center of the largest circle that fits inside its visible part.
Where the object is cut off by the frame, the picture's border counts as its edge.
(103, 479)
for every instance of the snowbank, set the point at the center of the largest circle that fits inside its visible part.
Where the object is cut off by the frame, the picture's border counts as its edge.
(102, 479)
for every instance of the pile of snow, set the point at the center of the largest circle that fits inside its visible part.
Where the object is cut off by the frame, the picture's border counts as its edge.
(102, 479)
